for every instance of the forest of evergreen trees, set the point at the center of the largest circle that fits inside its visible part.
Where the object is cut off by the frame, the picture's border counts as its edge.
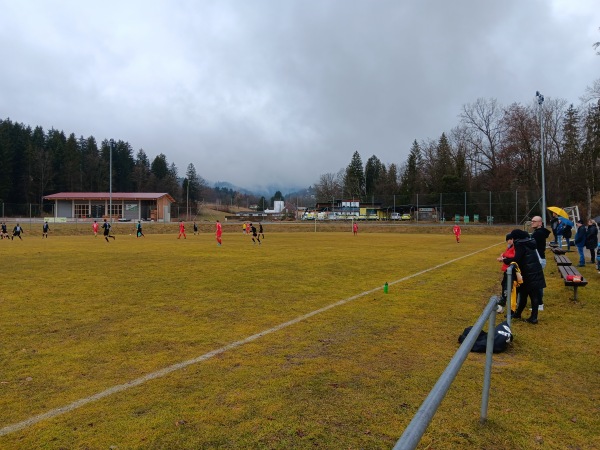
(35, 163)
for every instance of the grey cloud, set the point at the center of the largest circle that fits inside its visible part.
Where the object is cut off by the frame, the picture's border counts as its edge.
(279, 92)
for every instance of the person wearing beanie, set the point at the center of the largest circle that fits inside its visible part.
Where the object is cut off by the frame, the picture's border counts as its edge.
(526, 256)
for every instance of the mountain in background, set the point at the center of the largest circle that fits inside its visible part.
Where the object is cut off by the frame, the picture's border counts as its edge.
(266, 191)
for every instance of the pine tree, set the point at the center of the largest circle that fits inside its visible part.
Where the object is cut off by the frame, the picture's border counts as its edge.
(373, 172)
(141, 172)
(445, 179)
(354, 179)
(196, 183)
(410, 181)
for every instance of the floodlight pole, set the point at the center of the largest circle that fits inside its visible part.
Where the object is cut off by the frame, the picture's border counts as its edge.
(112, 143)
(540, 98)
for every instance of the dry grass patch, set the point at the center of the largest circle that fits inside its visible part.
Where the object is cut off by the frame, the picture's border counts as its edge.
(80, 316)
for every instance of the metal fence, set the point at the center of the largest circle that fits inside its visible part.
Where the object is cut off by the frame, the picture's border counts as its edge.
(513, 207)
(503, 207)
(419, 423)
(415, 430)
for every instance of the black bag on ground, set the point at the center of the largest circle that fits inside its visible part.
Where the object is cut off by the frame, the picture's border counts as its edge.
(502, 336)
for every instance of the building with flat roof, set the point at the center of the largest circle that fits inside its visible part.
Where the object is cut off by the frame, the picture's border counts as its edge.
(125, 205)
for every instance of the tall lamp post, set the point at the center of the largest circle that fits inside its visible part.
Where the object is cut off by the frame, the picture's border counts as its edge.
(187, 200)
(112, 144)
(540, 99)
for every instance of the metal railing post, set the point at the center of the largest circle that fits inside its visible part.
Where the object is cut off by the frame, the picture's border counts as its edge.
(419, 423)
(487, 376)
(509, 283)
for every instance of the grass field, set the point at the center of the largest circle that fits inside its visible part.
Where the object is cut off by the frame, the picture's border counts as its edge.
(80, 316)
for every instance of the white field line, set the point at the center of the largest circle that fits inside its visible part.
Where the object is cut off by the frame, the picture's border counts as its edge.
(167, 370)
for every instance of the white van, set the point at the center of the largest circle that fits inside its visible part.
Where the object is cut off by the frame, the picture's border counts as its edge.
(396, 216)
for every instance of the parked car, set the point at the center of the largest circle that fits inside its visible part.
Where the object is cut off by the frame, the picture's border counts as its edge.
(396, 216)
(405, 217)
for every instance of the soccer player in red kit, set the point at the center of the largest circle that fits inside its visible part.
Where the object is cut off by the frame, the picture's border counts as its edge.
(456, 231)
(219, 233)
(181, 230)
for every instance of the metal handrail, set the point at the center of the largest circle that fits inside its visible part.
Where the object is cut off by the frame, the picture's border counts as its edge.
(417, 426)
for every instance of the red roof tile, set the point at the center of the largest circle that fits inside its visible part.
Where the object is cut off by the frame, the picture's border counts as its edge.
(107, 196)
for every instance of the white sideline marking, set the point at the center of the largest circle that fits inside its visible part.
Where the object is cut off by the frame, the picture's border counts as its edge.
(167, 370)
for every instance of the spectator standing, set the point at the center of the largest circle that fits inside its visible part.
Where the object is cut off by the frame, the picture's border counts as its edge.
(560, 228)
(554, 225)
(540, 234)
(580, 239)
(568, 233)
(591, 241)
(526, 256)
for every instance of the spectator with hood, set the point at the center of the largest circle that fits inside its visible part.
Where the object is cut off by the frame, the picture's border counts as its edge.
(526, 256)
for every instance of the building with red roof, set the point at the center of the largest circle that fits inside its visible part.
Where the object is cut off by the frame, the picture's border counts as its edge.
(125, 205)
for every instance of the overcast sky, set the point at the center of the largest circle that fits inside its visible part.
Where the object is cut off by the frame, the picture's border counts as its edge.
(259, 92)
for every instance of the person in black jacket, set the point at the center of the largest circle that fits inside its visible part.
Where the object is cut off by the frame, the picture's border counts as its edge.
(580, 238)
(554, 222)
(540, 234)
(528, 260)
(591, 241)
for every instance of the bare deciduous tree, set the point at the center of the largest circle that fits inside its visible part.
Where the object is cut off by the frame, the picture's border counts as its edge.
(483, 128)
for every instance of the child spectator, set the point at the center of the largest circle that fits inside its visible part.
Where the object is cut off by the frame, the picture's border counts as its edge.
(508, 253)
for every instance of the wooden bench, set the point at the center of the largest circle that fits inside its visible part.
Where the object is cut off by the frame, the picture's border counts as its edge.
(557, 251)
(562, 260)
(565, 271)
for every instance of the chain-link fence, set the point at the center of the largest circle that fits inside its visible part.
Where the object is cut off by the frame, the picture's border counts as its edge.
(492, 207)
(487, 207)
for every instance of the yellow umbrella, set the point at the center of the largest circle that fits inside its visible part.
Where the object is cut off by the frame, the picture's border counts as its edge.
(559, 211)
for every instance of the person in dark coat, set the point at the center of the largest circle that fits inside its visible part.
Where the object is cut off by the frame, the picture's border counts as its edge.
(591, 242)
(526, 256)
(568, 233)
(554, 225)
(540, 234)
(580, 238)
